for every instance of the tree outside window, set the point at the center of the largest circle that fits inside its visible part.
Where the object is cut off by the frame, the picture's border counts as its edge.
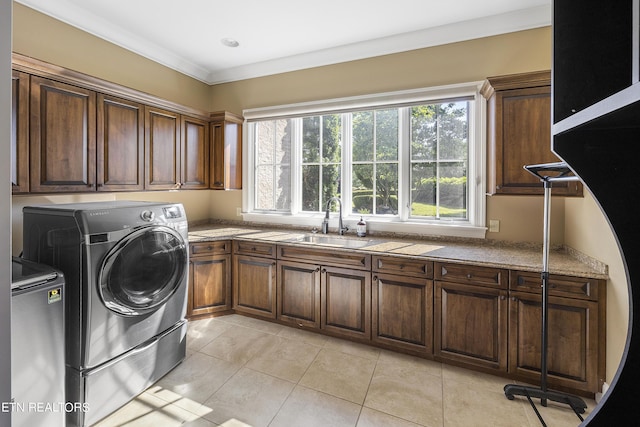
(426, 143)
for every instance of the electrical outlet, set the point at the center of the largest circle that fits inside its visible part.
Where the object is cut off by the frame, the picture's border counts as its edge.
(494, 225)
(238, 211)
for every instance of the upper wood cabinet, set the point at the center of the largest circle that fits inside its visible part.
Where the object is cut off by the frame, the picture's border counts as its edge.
(194, 153)
(76, 133)
(62, 137)
(519, 134)
(162, 145)
(19, 132)
(120, 145)
(176, 147)
(226, 151)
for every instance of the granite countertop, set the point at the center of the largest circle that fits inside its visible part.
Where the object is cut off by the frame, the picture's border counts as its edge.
(525, 257)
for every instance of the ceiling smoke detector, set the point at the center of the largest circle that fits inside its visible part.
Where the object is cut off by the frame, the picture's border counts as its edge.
(229, 42)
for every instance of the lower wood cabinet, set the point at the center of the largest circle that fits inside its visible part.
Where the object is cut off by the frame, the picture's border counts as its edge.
(209, 278)
(471, 324)
(475, 316)
(298, 293)
(254, 279)
(402, 312)
(576, 333)
(335, 299)
(346, 302)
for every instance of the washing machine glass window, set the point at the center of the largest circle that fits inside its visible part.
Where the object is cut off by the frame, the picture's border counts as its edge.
(143, 270)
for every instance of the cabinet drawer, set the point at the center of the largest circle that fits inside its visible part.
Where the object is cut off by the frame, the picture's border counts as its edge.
(210, 248)
(461, 273)
(254, 248)
(392, 264)
(562, 286)
(326, 256)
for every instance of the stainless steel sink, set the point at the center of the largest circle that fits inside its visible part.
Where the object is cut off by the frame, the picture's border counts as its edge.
(321, 239)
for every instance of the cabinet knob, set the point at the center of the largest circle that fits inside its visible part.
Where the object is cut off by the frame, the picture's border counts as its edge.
(469, 276)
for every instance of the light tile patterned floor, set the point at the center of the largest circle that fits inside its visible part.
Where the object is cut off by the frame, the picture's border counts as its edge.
(243, 372)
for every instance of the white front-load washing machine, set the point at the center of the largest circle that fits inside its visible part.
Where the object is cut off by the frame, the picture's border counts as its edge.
(126, 270)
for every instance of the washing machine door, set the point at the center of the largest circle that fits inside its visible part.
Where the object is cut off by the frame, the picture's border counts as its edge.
(143, 270)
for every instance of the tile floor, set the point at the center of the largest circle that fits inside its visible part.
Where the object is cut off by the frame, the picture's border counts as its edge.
(242, 372)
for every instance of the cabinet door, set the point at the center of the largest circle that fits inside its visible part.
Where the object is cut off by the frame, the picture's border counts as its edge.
(62, 137)
(226, 152)
(209, 284)
(299, 293)
(162, 146)
(572, 354)
(19, 132)
(402, 312)
(194, 153)
(346, 302)
(120, 145)
(254, 285)
(471, 325)
(519, 133)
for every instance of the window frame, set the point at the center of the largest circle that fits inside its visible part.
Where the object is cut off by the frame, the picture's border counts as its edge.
(473, 227)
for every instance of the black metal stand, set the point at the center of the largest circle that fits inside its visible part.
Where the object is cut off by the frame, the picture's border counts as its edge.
(548, 173)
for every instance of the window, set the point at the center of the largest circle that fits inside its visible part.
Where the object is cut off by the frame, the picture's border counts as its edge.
(374, 167)
(405, 161)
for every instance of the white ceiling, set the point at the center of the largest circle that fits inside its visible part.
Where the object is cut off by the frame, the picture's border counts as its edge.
(277, 36)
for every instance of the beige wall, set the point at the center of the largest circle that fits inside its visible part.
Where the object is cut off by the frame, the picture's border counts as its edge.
(576, 222)
(587, 229)
(454, 63)
(44, 38)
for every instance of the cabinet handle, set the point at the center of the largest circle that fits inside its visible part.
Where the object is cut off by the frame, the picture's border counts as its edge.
(375, 278)
(318, 269)
(502, 297)
(469, 276)
(514, 299)
(324, 270)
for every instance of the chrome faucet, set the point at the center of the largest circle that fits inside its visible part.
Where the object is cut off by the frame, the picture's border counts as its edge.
(325, 222)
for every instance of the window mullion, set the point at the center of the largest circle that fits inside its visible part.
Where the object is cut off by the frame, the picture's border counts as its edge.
(404, 163)
(346, 162)
(295, 165)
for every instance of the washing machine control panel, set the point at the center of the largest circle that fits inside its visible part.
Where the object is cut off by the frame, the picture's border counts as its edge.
(147, 216)
(172, 212)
